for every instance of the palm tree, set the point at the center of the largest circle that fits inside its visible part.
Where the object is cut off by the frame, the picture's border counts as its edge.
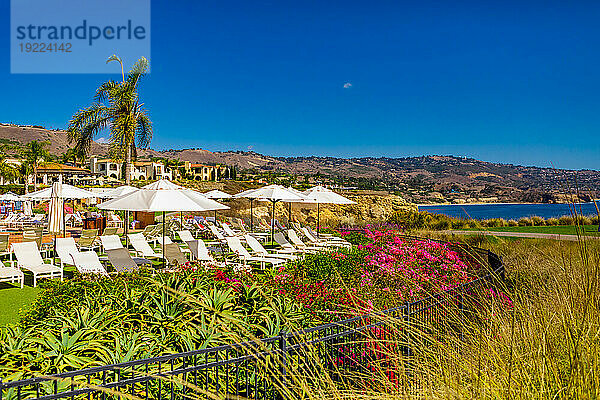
(116, 107)
(174, 165)
(69, 156)
(9, 173)
(35, 154)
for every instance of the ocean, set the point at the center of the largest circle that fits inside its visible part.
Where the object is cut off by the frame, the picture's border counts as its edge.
(508, 211)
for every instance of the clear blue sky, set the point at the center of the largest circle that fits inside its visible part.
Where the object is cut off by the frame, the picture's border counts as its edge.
(499, 81)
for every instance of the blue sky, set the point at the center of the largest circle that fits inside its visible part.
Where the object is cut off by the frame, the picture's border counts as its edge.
(498, 81)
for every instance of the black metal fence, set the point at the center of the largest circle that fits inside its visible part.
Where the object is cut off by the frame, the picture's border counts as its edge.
(347, 352)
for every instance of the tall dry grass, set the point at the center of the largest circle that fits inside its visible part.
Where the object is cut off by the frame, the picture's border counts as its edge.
(546, 345)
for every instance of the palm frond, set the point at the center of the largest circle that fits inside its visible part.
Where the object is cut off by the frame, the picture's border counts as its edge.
(138, 70)
(143, 129)
(106, 91)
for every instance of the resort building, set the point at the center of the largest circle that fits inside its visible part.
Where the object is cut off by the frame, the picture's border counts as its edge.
(140, 170)
(51, 171)
(202, 172)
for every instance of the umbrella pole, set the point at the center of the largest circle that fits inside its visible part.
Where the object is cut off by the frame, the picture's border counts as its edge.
(54, 255)
(126, 229)
(251, 217)
(163, 246)
(290, 221)
(318, 220)
(273, 223)
(64, 223)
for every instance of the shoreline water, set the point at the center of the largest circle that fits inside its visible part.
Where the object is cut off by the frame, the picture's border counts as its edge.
(499, 204)
(516, 211)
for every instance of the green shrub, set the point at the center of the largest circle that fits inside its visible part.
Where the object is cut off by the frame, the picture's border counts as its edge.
(355, 237)
(537, 221)
(512, 222)
(566, 220)
(495, 222)
(552, 221)
(525, 221)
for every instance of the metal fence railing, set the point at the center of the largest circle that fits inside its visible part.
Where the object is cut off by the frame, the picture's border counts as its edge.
(265, 369)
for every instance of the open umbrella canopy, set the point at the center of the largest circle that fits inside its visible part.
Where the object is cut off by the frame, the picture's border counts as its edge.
(10, 196)
(272, 193)
(243, 194)
(163, 184)
(305, 199)
(322, 195)
(55, 210)
(67, 192)
(119, 191)
(160, 196)
(217, 194)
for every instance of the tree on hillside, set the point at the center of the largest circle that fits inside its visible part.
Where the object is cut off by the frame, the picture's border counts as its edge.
(174, 164)
(117, 108)
(74, 156)
(35, 154)
(8, 172)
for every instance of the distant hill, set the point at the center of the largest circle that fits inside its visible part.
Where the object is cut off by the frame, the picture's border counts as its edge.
(420, 179)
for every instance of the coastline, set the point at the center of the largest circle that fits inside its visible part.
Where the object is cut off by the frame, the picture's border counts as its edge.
(492, 204)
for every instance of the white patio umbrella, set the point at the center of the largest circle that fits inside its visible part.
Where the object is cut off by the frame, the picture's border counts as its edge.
(10, 196)
(217, 195)
(322, 195)
(120, 191)
(68, 192)
(162, 196)
(273, 193)
(244, 195)
(56, 221)
(27, 208)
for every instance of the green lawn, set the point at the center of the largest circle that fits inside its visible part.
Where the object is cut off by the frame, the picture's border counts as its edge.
(12, 298)
(591, 230)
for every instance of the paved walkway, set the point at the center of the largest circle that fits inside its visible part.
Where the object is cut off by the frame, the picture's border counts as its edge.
(554, 236)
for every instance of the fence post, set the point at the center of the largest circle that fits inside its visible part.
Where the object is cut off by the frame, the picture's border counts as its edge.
(461, 312)
(407, 349)
(283, 364)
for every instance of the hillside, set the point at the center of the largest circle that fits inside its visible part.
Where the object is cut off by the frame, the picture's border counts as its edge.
(424, 179)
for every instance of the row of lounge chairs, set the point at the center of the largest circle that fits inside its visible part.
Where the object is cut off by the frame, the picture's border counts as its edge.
(243, 248)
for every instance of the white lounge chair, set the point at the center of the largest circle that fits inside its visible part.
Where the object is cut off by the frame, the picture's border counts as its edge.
(186, 235)
(285, 245)
(87, 262)
(215, 231)
(329, 241)
(260, 251)
(298, 243)
(141, 246)
(236, 246)
(111, 242)
(29, 258)
(65, 248)
(11, 274)
(228, 231)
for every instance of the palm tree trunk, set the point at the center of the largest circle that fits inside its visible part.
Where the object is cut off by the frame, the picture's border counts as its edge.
(26, 181)
(34, 177)
(128, 166)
